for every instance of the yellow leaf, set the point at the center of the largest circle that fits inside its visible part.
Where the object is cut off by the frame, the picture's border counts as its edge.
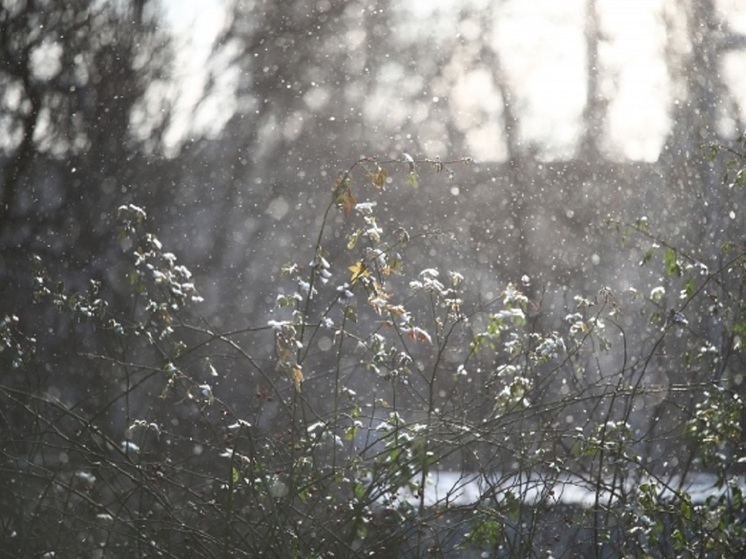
(348, 203)
(297, 377)
(358, 270)
(343, 196)
(418, 335)
(378, 178)
(352, 239)
(393, 265)
(396, 310)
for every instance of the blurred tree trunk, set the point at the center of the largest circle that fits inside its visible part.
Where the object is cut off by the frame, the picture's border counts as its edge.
(594, 114)
(702, 103)
(292, 123)
(72, 74)
(701, 115)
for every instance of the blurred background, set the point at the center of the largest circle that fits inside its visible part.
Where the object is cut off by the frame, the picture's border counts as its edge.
(228, 121)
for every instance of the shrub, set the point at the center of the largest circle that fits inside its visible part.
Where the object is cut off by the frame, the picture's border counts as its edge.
(382, 411)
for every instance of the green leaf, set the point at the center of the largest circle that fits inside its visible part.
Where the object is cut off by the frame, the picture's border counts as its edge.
(648, 256)
(658, 317)
(642, 224)
(350, 313)
(686, 510)
(359, 491)
(690, 287)
(679, 540)
(352, 239)
(350, 433)
(673, 268)
(740, 178)
(740, 328)
(486, 532)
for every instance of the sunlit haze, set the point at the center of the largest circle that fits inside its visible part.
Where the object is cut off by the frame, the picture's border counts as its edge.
(543, 50)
